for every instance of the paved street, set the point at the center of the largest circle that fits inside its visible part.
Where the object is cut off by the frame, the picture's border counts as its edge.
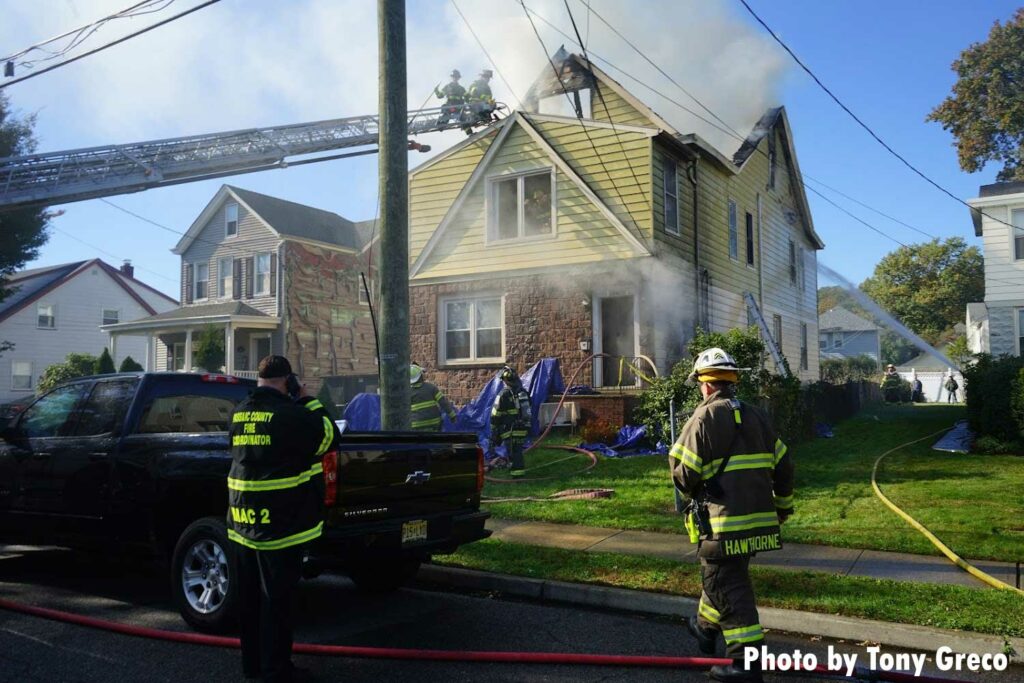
(331, 611)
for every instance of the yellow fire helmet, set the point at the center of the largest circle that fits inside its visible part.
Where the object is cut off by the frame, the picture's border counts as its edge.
(715, 365)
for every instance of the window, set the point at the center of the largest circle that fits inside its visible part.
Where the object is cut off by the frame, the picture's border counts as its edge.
(186, 414)
(46, 316)
(670, 175)
(1020, 331)
(750, 239)
(804, 363)
(202, 281)
(178, 357)
(822, 343)
(837, 340)
(262, 279)
(225, 279)
(231, 220)
(1017, 218)
(734, 246)
(777, 331)
(472, 329)
(523, 206)
(21, 375)
(111, 316)
(771, 160)
(51, 415)
(792, 262)
(363, 299)
(104, 412)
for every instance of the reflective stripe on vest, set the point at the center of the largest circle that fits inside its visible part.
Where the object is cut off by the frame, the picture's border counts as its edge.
(727, 523)
(689, 458)
(276, 484)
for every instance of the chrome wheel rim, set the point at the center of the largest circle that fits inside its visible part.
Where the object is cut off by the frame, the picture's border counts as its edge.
(204, 576)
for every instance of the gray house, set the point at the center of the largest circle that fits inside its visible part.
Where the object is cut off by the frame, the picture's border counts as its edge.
(842, 334)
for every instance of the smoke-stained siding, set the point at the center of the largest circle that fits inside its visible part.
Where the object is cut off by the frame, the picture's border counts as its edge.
(618, 110)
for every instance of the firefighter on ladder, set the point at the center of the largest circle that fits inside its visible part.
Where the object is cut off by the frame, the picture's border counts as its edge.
(454, 96)
(738, 478)
(427, 403)
(480, 101)
(510, 419)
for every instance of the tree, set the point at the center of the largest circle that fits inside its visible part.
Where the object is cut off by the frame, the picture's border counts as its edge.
(130, 365)
(104, 364)
(23, 230)
(927, 286)
(208, 350)
(958, 352)
(75, 365)
(985, 112)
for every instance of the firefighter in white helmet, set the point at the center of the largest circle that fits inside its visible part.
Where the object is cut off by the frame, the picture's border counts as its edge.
(738, 479)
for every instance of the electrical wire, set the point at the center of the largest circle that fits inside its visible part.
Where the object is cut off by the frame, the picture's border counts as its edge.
(110, 44)
(107, 253)
(487, 54)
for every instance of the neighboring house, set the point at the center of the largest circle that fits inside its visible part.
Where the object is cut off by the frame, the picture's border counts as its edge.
(996, 326)
(59, 310)
(842, 334)
(548, 235)
(272, 276)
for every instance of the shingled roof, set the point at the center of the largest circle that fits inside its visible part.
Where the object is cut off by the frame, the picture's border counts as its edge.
(839, 318)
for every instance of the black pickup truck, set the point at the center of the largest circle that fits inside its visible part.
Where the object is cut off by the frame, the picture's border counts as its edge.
(129, 462)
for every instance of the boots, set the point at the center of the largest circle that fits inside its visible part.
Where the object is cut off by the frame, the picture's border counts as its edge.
(705, 639)
(735, 673)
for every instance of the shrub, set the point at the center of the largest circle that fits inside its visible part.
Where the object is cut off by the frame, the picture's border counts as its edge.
(599, 431)
(104, 364)
(75, 365)
(129, 365)
(208, 350)
(990, 445)
(853, 369)
(995, 399)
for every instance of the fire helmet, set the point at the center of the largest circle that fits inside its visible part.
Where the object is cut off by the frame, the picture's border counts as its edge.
(415, 373)
(486, 73)
(715, 365)
(455, 74)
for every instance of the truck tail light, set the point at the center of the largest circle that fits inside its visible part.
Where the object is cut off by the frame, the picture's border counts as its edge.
(220, 379)
(330, 478)
(479, 469)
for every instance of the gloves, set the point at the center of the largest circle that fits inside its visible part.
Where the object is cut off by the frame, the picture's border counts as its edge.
(783, 515)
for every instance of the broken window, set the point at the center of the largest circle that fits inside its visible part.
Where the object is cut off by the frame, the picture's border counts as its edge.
(523, 206)
(734, 241)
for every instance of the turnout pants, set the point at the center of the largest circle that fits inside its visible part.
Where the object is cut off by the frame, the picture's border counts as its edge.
(727, 603)
(267, 581)
(514, 448)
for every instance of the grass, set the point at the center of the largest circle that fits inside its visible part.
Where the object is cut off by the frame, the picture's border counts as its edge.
(940, 606)
(974, 503)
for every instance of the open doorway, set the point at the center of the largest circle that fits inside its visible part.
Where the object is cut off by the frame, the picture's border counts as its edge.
(615, 333)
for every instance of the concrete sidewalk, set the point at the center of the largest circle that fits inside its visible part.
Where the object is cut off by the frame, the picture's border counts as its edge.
(793, 556)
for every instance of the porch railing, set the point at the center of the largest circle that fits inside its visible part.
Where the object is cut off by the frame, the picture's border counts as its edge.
(245, 374)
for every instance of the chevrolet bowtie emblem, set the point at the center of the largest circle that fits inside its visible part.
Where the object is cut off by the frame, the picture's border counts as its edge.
(418, 477)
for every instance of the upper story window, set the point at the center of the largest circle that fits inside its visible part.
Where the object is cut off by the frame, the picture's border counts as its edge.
(1017, 218)
(771, 160)
(230, 220)
(261, 281)
(363, 298)
(46, 316)
(472, 329)
(1020, 331)
(750, 239)
(111, 316)
(225, 277)
(777, 330)
(792, 262)
(734, 239)
(522, 206)
(202, 281)
(804, 361)
(671, 175)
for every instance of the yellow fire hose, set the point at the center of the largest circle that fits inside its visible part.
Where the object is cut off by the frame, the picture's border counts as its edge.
(953, 557)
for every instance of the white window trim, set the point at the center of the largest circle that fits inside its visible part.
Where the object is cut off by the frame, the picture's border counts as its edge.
(196, 280)
(228, 286)
(54, 316)
(1016, 328)
(256, 291)
(491, 206)
(732, 218)
(838, 340)
(597, 329)
(103, 315)
(675, 195)
(442, 324)
(227, 234)
(31, 376)
(174, 353)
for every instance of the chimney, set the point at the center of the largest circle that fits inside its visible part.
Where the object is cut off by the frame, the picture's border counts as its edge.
(127, 268)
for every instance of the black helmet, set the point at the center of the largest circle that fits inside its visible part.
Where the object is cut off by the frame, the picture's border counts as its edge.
(486, 73)
(508, 374)
(455, 74)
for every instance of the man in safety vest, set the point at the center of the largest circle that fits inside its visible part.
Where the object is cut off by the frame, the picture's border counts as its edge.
(510, 419)
(738, 478)
(275, 506)
(427, 403)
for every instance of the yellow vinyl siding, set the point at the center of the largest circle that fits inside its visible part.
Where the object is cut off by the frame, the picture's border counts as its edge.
(583, 233)
(681, 244)
(618, 110)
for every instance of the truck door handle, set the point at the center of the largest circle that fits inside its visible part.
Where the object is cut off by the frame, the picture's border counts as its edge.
(97, 455)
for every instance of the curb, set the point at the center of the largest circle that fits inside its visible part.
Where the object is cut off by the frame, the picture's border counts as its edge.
(809, 623)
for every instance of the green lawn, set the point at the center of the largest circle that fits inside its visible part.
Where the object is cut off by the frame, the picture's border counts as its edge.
(974, 503)
(951, 607)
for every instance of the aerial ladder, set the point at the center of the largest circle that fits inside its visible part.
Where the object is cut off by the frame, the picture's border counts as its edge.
(93, 172)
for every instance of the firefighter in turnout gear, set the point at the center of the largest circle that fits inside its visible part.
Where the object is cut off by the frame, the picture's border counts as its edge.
(510, 419)
(454, 96)
(480, 100)
(275, 507)
(738, 479)
(890, 385)
(427, 403)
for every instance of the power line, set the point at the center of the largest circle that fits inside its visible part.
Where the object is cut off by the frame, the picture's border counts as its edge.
(487, 54)
(107, 253)
(857, 218)
(856, 118)
(110, 44)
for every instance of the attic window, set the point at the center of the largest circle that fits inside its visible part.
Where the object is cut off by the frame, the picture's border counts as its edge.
(522, 206)
(231, 220)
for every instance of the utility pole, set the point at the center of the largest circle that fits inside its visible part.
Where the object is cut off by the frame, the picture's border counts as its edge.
(394, 216)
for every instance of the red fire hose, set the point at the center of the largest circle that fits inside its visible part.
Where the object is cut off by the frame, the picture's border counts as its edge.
(428, 655)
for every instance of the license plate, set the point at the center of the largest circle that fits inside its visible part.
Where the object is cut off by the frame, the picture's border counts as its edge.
(414, 531)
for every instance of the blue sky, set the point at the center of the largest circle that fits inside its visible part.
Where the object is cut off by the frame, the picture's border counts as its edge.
(240, 64)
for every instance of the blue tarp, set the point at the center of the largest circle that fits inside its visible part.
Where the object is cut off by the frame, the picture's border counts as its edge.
(956, 440)
(627, 442)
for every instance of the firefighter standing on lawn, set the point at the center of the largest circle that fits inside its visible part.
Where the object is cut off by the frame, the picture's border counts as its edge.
(427, 403)
(275, 506)
(510, 419)
(738, 478)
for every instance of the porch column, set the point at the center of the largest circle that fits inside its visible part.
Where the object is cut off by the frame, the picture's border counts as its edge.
(229, 349)
(188, 350)
(113, 348)
(150, 363)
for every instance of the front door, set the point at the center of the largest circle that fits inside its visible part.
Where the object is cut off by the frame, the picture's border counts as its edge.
(618, 340)
(260, 348)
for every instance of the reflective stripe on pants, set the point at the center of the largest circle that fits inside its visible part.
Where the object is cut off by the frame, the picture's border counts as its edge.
(727, 603)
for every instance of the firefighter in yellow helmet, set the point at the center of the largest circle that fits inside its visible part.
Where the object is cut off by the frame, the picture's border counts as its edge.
(427, 403)
(738, 479)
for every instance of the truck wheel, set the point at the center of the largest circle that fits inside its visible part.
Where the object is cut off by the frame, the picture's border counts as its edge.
(384, 575)
(201, 577)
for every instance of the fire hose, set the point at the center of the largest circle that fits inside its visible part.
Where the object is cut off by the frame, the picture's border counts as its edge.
(581, 659)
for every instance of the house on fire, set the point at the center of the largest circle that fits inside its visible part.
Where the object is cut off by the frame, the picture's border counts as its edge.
(272, 276)
(609, 231)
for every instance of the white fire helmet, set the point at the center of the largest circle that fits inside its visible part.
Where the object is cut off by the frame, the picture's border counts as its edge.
(715, 365)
